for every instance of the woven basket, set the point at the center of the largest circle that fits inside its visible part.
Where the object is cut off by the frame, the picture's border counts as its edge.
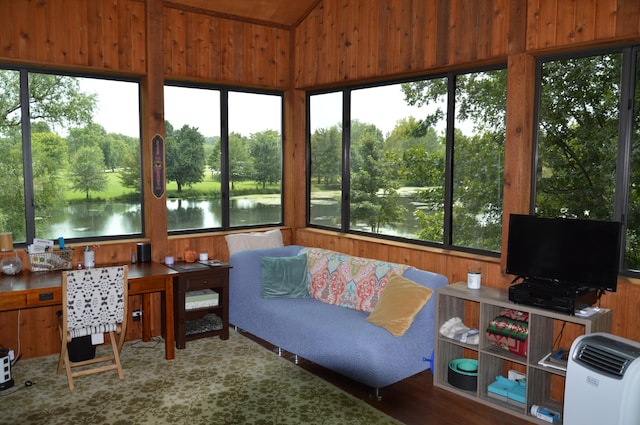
(56, 259)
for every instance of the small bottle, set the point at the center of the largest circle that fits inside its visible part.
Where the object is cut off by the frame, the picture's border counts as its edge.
(79, 265)
(546, 415)
(133, 258)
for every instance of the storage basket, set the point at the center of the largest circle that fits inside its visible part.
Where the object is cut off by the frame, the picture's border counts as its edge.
(56, 259)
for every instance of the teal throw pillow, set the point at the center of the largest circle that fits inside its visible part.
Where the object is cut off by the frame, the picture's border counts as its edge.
(285, 277)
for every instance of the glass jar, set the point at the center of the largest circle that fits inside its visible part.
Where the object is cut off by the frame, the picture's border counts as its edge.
(11, 266)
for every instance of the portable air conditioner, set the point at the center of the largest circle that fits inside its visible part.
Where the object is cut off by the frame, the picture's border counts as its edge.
(603, 381)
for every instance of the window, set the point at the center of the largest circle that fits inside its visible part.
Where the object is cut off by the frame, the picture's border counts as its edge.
(71, 157)
(632, 252)
(587, 141)
(326, 160)
(255, 159)
(402, 167)
(222, 141)
(192, 127)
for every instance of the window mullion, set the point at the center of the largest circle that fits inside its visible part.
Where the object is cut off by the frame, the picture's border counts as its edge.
(346, 160)
(27, 158)
(224, 158)
(448, 179)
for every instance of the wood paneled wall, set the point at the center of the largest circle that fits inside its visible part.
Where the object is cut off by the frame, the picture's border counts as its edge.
(558, 23)
(339, 42)
(362, 39)
(209, 48)
(345, 42)
(100, 34)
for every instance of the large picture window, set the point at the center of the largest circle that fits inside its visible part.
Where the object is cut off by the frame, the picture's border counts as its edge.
(224, 158)
(587, 141)
(419, 160)
(71, 157)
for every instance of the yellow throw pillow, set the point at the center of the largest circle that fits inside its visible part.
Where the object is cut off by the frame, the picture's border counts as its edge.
(399, 304)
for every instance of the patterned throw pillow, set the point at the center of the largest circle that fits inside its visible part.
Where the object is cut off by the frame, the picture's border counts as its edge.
(348, 281)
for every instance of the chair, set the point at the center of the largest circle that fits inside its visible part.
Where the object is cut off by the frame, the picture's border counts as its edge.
(93, 301)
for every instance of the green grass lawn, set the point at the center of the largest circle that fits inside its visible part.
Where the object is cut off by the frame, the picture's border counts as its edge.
(206, 187)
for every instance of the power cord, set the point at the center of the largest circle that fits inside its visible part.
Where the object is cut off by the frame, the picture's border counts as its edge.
(557, 341)
(27, 384)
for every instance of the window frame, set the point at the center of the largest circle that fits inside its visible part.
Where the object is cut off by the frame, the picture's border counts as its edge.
(629, 65)
(346, 148)
(225, 194)
(27, 156)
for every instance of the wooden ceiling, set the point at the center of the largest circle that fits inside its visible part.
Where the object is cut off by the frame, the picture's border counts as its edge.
(284, 13)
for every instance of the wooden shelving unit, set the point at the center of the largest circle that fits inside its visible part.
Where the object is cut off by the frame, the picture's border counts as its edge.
(477, 308)
(193, 324)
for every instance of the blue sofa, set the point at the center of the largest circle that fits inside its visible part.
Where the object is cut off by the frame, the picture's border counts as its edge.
(332, 336)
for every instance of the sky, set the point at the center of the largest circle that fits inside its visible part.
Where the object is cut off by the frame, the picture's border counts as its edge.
(248, 112)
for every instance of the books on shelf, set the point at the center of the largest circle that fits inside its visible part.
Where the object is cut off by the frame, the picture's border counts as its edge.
(201, 299)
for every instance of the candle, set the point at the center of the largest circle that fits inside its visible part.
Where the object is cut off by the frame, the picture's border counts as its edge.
(6, 242)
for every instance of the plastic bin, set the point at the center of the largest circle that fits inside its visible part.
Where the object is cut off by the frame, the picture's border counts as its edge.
(80, 348)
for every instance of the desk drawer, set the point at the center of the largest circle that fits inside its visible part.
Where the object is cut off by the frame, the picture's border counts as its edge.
(45, 297)
(204, 282)
(146, 286)
(12, 301)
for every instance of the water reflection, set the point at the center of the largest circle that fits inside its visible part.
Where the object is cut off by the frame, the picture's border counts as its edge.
(94, 219)
(325, 212)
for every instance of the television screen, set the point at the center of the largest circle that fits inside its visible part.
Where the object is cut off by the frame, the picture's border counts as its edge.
(563, 251)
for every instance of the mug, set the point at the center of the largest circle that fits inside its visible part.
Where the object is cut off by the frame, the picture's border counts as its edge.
(473, 279)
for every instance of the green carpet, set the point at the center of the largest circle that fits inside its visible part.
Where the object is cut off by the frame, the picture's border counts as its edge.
(210, 382)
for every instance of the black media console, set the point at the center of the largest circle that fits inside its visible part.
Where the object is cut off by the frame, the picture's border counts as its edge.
(544, 295)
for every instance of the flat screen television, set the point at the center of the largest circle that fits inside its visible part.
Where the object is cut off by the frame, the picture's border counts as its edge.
(565, 252)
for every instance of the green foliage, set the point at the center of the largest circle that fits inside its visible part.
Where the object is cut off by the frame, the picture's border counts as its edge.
(408, 134)
(266, 151)
(326, 155)
(86, 170)
(240, 161)
(578, 137)
(12, 188)
(374, 180)
(477, 191)
(130, 168)
(184, 155)
(478, 160)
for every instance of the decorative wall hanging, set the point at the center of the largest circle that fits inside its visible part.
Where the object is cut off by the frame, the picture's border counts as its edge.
(157, 153)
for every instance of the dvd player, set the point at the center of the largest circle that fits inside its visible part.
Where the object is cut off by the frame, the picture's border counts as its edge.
(564, 299)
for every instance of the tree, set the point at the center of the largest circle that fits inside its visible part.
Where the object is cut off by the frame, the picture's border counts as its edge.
(240, 161)
(578, 137)
(184, 155)
(408, 133)
(213, 157)
(478, 159)
(86, 170)
(130, 171)
(266, 151)
(12, 188)
(326, 150)
(54, 99)
(425, 167)
(374, 182)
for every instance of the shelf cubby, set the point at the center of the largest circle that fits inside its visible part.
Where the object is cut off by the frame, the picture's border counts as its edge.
(477, 308)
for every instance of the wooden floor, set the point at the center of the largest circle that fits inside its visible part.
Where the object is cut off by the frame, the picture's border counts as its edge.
(414, 401)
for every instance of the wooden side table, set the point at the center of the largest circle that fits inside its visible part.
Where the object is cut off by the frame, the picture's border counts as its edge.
(200, 322)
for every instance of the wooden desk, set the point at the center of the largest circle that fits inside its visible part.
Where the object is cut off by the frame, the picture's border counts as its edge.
(30, 290)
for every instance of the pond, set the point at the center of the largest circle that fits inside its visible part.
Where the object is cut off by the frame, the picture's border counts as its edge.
(91, 219)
